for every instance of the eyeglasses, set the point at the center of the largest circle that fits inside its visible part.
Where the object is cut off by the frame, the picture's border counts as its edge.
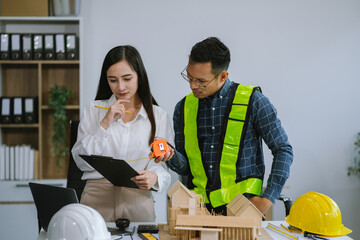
(185, 76)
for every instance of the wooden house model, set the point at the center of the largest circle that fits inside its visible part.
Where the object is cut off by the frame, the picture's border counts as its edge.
(180, 195)
(188, 219)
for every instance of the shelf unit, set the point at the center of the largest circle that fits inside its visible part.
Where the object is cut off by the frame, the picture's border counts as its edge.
(34, 78)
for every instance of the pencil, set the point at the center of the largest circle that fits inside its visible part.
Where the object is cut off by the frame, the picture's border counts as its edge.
(108, 108)
(285, 227)
(279, 231)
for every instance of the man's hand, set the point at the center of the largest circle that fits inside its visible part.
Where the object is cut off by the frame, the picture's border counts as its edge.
(146, 179)
(261, 203)
(165, 157)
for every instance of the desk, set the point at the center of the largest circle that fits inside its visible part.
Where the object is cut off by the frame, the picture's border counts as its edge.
(42, 234)
(130, 229)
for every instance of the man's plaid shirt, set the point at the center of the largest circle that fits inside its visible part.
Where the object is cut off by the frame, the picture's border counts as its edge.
(263, 124)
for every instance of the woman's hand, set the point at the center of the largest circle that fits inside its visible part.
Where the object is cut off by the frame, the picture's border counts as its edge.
(115, 111)
(146, 179)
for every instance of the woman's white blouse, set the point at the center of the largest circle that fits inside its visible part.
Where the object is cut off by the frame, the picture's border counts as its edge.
(122, 141)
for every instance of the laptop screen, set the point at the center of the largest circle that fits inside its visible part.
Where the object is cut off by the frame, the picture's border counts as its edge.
(50, 199)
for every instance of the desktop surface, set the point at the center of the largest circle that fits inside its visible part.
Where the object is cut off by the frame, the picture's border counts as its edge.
(275, 236)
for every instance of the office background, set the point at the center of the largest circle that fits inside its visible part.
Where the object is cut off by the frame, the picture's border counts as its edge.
(305, 55)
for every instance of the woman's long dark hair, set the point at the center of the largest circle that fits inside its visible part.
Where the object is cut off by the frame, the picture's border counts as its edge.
(132, 56)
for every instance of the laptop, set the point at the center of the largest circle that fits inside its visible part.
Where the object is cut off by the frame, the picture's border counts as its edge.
(49, 199)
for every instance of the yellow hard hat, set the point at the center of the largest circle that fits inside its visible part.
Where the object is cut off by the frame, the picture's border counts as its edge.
(317, 213)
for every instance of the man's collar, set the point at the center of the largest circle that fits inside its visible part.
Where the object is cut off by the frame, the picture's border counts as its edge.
(223, 91)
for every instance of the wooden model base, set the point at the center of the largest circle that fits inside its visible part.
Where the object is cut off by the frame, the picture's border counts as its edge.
(164, 232)
(189, 219)
(165, 235)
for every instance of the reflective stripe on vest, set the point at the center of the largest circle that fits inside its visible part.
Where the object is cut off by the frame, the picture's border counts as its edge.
(229, 155)
(191, 106)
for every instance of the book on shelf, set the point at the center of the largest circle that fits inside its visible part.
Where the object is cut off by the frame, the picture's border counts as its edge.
(18, 162)
(35, 166)
(2, 163)
(12, 163)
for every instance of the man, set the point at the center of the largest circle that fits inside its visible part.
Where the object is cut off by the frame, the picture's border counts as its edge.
(219, 129)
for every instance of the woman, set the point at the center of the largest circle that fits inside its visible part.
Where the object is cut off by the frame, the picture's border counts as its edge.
(123, 131)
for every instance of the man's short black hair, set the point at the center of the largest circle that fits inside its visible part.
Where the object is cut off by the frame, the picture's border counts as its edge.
(211, 50)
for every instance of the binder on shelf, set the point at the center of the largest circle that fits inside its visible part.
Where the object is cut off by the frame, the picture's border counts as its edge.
(30, 109)
(71, 47)
(15, 46)
(27, 47)
(60, 46)
(38, 43)
(6, 110)
(49, 44)
(5, 46)
(17, 115)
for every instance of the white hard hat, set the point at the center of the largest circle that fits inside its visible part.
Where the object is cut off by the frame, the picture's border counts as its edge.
(76, 222)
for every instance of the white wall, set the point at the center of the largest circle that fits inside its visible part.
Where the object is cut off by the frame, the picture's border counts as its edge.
(304, 54)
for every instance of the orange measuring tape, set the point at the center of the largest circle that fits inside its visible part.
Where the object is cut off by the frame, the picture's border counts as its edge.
(158, 148)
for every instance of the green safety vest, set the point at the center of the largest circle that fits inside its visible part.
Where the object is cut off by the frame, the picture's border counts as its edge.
(237, 119)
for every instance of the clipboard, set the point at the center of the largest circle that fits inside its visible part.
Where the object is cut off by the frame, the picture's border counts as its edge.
(117, 171)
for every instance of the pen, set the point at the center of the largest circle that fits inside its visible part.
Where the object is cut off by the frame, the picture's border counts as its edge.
(130, 233)
(108, 108)
(133, 230)
(313, 236)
